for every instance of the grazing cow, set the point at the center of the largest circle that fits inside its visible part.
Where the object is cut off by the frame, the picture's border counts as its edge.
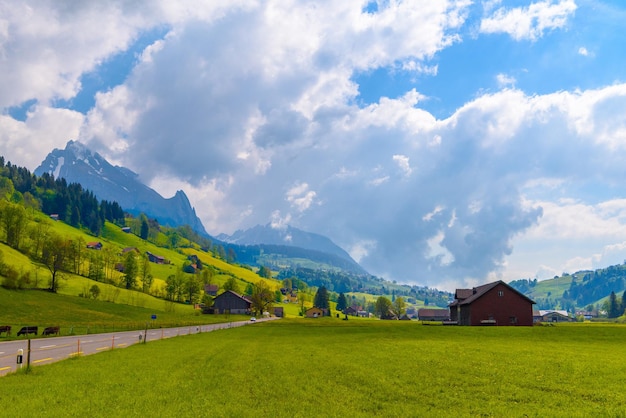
(28, 330)
(50, 331)
(5, 328)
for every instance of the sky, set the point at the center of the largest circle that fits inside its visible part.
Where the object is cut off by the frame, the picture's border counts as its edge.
(441, 143)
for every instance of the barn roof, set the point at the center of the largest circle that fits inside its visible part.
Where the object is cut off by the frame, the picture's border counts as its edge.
(479, 291)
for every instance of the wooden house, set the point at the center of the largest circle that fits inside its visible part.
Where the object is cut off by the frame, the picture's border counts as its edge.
(231, 302)
(156, 258)
(314, 312)
(494, 303)
(211, 289)
(94, 245)
(551, 316)
(427, 314)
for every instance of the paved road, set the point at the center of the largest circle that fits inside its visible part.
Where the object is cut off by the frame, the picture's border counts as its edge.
(50, 349)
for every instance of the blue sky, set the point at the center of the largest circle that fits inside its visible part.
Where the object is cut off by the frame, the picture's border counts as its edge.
(442, 143)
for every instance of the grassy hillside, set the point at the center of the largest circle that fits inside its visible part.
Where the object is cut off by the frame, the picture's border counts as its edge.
(334, 368)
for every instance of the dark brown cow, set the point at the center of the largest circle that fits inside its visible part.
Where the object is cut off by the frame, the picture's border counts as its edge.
(5, 328)
(50, 331)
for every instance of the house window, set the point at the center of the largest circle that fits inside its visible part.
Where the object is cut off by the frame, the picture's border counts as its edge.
(500, 293)
(513, 319)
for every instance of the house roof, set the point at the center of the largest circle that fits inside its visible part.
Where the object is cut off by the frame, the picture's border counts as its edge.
(552, 311)
(236, 294)
(479, 291)
(461, 294)
(432, 312)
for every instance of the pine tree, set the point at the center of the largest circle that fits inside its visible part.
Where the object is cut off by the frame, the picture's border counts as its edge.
(342, 303)
(613, 306)
(321, 298)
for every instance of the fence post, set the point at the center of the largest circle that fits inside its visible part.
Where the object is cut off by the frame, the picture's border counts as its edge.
(112, 342)
(28, 356)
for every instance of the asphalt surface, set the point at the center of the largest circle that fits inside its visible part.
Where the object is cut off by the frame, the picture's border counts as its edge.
(50, 349)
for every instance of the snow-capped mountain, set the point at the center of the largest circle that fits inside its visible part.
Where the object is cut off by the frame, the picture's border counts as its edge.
(77, 164)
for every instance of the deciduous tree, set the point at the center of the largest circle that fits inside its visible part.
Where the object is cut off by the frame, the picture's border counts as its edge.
(262, 298)
(130, 270)
(382, 307)
(54, 255)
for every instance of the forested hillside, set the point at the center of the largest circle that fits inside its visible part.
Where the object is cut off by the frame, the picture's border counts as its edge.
(588, 290)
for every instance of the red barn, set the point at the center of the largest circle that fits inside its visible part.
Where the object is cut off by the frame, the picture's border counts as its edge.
(494, 303)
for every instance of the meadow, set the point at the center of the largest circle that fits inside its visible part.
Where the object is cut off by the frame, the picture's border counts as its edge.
(330, 367)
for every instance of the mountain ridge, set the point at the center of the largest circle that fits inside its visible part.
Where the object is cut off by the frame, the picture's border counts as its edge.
(78, 164)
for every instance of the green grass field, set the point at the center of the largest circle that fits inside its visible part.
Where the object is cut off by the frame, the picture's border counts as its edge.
(334, 368)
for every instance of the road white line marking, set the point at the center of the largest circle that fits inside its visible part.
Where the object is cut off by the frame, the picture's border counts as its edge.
(48, 346)
(86, 341)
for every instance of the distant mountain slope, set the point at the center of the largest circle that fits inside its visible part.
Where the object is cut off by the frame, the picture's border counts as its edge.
(289, 236)
(577, 290)
(77, 164)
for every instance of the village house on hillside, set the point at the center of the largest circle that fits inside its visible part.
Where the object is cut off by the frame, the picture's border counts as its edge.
(96, 245)
(315, 312)
(211, 289)
(494, 303)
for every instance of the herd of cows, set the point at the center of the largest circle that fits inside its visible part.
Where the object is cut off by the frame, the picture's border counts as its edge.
(29, 330)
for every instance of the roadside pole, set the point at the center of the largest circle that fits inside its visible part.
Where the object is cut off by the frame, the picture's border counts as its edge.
(28, 355)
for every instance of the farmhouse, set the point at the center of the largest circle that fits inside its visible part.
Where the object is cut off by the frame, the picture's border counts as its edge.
(314, 312)
(211, 289)
(156, 258)
(426, 314)
(94, 245)
(551, 316)
(231, 302)
(494, 303)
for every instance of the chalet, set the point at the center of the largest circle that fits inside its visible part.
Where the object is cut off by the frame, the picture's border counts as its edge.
(126, 229)
(155, 258)
(351, 310)
(551, 316)
(426, 314)
(94, 245)
(54, 216)
(494, 303)
(129, 249)
(231, 302)
(314, 312)
(211, 289)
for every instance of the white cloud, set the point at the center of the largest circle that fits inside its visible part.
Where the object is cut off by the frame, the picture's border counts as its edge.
(403, 164)
(505, 80)
(583, 51)
(529, 23)
(300, 197)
